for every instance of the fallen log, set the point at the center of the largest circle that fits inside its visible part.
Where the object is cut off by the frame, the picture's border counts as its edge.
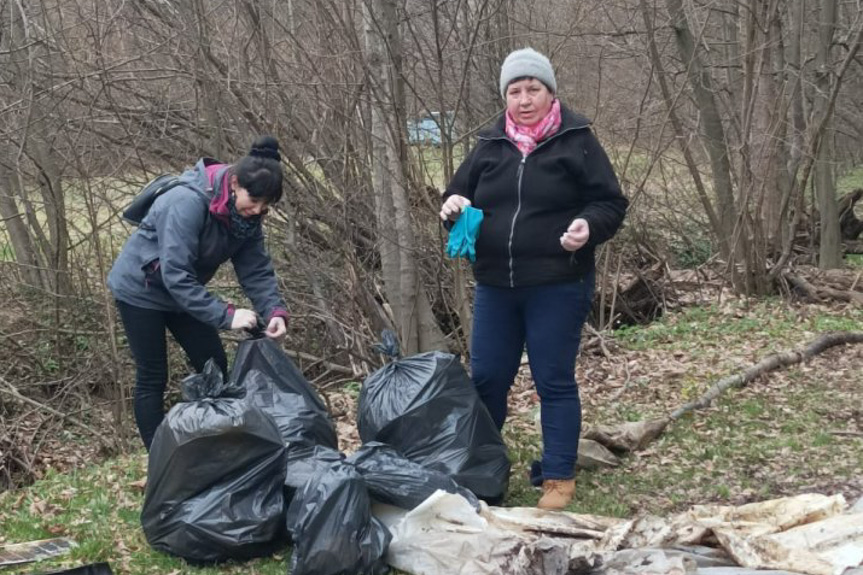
(634, 436)
(769, 363)
(820, 293)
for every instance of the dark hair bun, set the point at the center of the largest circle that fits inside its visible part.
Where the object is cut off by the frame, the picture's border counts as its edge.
(266, 147)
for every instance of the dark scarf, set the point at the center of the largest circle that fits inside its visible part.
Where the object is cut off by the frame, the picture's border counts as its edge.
(241, 227)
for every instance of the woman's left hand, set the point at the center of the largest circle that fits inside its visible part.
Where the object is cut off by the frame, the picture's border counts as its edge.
(277, 328)
(576, 235)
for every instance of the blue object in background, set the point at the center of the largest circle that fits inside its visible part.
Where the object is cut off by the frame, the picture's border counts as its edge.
(424, 131)
(462, 236)
(429, 130)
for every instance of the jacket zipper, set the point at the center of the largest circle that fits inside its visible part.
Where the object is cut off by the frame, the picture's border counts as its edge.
(518, 190)
(512, 225)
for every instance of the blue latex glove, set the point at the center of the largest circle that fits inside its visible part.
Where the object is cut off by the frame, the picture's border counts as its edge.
(462, 236)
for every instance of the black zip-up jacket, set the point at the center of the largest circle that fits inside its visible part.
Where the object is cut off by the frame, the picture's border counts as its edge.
(528, 203)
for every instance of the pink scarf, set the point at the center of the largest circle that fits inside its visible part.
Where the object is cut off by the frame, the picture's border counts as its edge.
(527, 137)
(219, 204)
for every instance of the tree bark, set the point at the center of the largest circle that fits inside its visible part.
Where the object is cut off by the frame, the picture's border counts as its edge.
(830, 244)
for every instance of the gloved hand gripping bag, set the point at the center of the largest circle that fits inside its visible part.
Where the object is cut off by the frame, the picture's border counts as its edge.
(274, 384)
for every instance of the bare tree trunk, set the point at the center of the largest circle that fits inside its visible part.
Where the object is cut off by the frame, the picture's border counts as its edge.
(712, 134)
(830, 244)
(815, 133)
(795, 64)
(34, 136)
(53, 197)
(411, 309)
(773, 145)
(780, 160)
(679, 134)
(19, 235)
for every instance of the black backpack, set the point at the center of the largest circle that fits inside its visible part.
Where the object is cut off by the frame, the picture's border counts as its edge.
(137, 210)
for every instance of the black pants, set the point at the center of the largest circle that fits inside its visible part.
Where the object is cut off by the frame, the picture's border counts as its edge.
(145, 330)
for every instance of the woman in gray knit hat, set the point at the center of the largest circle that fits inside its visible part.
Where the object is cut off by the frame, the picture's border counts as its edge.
(549, 196)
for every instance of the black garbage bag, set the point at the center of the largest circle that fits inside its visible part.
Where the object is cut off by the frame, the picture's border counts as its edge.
(215, 476)
(305, 462)
(425, 406)
(332, 526)
(274, 384)
(393, 479)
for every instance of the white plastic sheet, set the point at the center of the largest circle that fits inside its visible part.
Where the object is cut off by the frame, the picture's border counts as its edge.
(811, 534)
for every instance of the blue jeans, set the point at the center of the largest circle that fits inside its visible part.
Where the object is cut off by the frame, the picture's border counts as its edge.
(548, 318)
(145, 331)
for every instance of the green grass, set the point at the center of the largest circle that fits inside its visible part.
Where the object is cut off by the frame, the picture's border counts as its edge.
(711, 326)
(6, 252)
(99, 507)
(849, 181)
(774, 437)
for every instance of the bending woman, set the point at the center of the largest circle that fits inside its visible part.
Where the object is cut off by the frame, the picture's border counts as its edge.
(549, 196)
(159, 279)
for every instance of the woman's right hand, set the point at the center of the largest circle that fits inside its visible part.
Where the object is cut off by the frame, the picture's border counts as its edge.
(453, 207)
(244, 319)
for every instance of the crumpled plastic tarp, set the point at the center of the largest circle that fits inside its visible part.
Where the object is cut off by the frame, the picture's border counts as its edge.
(216, 473)
(426, 407)
(445, 535)
(810, 533)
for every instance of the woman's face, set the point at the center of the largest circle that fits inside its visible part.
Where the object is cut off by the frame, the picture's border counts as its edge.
(528, 101)
(247, 205)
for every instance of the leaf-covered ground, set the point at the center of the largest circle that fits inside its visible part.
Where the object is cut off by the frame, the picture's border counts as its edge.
(791, 431)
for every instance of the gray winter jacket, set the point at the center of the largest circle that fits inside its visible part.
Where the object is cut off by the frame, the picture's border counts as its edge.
(178, 247)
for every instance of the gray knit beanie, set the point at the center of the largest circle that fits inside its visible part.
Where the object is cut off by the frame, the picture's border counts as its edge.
(526, 62)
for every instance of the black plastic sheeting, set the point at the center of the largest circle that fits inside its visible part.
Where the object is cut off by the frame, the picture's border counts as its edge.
(215, 477)
(425, 406)
(332, 526)
(274, 384)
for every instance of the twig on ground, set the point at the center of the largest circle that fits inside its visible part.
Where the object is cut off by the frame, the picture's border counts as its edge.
(599, 339)
(626, 383)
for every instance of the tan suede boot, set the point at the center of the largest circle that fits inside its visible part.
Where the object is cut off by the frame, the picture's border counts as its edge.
(556, 494)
